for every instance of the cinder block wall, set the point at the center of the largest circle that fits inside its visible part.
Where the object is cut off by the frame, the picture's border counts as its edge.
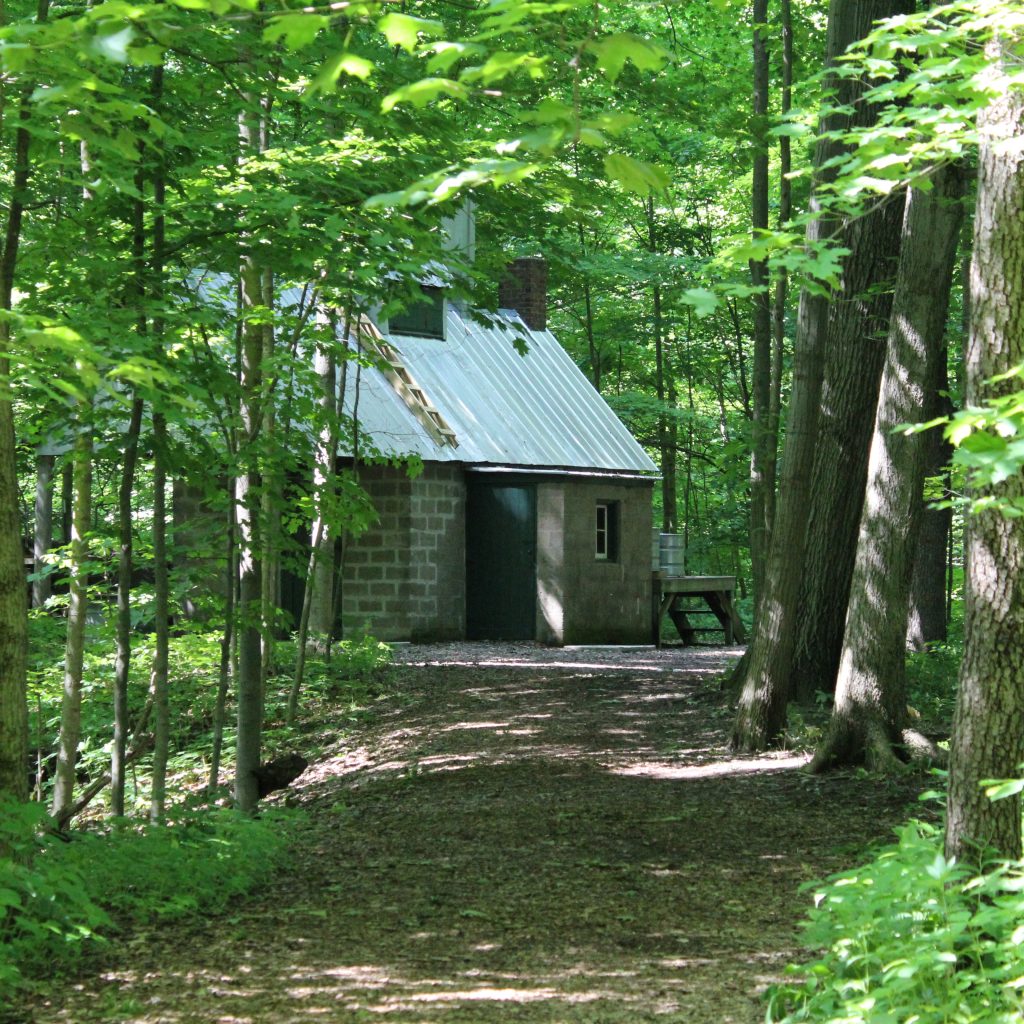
(376, 575)
(606, 601)
(437, 569)
(405, 578)
(550, 562)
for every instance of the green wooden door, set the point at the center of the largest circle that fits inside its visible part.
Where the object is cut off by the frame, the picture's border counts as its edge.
(501, 561)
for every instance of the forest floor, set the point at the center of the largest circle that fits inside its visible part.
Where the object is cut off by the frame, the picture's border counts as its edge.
(518, 834)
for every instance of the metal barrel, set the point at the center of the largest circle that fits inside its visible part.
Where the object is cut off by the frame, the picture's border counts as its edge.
(672, 552)
(655, 550)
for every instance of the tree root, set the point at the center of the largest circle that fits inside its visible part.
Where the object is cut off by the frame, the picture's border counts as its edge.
(871, 744)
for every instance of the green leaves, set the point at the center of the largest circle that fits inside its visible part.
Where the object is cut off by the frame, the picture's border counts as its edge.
(404, 30)
(613, 51)
(635, 175)
(344, 63)
(703, 301)
(425, 91)
(295, 30)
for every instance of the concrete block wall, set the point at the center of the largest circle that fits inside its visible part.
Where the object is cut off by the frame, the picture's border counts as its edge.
(376, 574)
(606, 601)
(405, 578)
(437, 568)
(551, 562)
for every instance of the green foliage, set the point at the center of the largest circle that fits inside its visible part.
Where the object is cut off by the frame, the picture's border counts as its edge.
(911, 936)
(932, 680)
(358, 671)
(47, 911)
(58, 898)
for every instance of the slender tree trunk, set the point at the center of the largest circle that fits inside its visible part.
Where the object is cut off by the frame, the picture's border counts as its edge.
(226, 644)
(322, 539)
(122, 658)
(869, 719)
(782, 279)
(588, 312)
(67, 500)
(248, 506)
(74, 651)
(988, 727)
(761, 441)
(761, 715)
(926, 623)
(270, 518)
(669, 509)
(43, 532)
(161, 623)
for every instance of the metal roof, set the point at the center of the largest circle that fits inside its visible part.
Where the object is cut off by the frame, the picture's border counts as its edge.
(507, 410)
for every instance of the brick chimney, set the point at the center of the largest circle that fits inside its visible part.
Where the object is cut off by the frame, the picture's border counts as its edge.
(525, 289)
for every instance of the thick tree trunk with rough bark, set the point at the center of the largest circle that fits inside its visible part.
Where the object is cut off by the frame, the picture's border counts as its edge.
(13, 599)
(988, 727)
(869, 719)
(761, 716)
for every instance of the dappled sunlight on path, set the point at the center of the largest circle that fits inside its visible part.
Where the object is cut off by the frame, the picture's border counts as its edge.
(564, 841)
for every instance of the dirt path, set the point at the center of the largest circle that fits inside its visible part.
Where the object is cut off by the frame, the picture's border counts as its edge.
(525, 836)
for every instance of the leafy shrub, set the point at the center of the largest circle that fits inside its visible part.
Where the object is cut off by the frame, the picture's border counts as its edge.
(359, 670)
(46, 911)
(932, 679)
(56, 897)
(912, 937)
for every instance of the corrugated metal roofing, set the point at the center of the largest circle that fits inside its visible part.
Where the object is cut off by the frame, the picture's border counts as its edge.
(507, 410)
(534, 410)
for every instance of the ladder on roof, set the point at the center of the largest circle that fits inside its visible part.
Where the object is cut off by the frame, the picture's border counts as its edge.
(399, 377)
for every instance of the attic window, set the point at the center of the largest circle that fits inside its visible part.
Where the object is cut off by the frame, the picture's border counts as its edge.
(606, 532)
(421, 319)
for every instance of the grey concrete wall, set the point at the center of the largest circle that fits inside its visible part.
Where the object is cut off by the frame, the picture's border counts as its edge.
(606, 601)
(551, 562)
(405, 578)
(437, 570)
(376, 572)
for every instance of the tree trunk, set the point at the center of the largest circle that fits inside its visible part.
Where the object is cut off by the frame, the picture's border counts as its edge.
(869, 720)
(782, 279)
(761, 715)
(760, 455)
(161, 623)
(74, 651)
(13, 602)
(122, 659)
(926, 622)
(43, 533)
(226, 643)
(854, 356)
(322, 539)
(988, 727)
(273, 486)
(248, 506)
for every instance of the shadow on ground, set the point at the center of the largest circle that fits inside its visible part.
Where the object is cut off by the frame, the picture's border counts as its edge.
(553, 843)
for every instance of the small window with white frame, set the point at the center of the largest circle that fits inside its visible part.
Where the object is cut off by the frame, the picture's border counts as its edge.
(606, 531)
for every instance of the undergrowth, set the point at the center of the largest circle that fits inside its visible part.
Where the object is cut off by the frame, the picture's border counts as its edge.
(60, 898)
(912, 938)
